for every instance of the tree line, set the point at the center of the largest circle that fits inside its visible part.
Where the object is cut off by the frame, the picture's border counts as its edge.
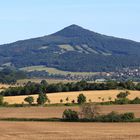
(43, 87)
(10, 76)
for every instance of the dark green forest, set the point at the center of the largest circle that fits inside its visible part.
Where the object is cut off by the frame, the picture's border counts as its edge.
(10, 76)
(43, 87)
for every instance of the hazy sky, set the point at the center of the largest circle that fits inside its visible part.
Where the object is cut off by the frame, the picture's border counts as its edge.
(23, 19)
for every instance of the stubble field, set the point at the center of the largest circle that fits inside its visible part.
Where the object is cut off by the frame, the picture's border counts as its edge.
(94, 96)
(69, 131)
(66, 130)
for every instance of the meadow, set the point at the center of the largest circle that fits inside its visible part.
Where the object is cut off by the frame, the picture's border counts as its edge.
(38, 80)
(56, 71)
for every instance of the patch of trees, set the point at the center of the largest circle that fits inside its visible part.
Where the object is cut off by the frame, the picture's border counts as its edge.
(122, 98)
(10, 76)
(91, 113)
(43, 87)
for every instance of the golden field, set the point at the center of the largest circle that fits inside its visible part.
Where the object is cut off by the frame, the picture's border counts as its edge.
(66, 130)
(56, 112)
(69, 131)
(94, 96)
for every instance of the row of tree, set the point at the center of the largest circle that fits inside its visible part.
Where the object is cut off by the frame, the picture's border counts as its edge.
(43, 87)
(10, 76)
(43, 98)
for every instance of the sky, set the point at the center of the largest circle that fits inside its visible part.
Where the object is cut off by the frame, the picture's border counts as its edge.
(24, 19)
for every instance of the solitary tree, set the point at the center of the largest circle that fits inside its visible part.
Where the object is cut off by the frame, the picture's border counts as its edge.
(81, 99)
(29, 100)
(73, 101)
(42, 99)
(61, 100)
(67, 99)
(70, 115)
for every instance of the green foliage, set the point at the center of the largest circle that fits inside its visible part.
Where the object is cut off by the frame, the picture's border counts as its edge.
(29, 100)
(123, 94)
(81, 99)
(42, 99)
(115, 117)
(70, 115)
(135, 101)
(122, 101)
(34, 88)
(10, 76)
(1, 100)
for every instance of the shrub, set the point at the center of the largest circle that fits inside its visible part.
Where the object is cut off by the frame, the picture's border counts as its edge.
(115, 117)
(67, 99)
(123, 94)
(29, 100)
(122, 101)
(127, 116)
(61, 100)
(135, 101)
(81, 99)
(70, 115)
(73, 101)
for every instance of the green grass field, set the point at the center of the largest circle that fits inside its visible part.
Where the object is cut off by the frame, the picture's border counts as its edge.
(56, 71)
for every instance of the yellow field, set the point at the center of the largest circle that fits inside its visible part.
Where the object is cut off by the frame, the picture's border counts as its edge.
(69, 131)
(94, 96)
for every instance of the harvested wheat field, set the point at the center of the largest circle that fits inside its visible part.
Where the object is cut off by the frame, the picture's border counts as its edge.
(69, 131)
(95, 96)
(52, 112)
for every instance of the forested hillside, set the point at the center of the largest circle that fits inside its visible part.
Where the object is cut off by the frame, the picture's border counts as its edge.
(73, 49)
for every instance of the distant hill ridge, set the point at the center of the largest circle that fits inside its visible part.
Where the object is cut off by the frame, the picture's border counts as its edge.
(73, 49)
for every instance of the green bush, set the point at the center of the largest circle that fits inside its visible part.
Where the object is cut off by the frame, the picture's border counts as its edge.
(29, 100)
(70, 115)
(42, 99)
(81, 99)
(115, 117)
(123, 94)
(128, 116)
(122, 101)
(135, 101)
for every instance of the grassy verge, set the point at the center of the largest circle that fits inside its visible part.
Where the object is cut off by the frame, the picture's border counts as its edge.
(36, 105)
(32, 119)
(61, 120)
